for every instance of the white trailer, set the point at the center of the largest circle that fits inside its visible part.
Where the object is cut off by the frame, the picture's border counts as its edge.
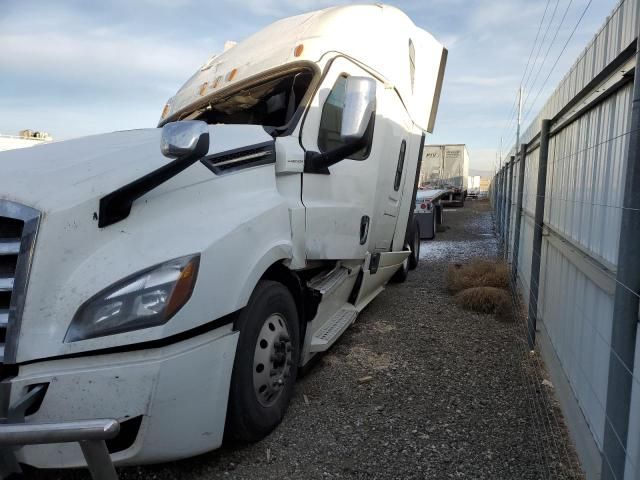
(446, 167)
(473, 186)
(179, 297)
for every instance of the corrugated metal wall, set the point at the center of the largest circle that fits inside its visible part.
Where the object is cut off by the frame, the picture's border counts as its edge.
(583, 205)
(618, 32)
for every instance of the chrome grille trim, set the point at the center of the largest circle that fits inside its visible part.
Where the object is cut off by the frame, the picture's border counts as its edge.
(10, 247)
(6, 284)
(31, 222)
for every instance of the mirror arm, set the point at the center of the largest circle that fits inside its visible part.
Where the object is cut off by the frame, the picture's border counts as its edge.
(318, 162)
(116, 206)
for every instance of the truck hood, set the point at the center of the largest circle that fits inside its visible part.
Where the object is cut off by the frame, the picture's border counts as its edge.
(62, 174)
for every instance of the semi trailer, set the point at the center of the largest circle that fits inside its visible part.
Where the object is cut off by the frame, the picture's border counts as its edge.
(175, 279)
(446, 167)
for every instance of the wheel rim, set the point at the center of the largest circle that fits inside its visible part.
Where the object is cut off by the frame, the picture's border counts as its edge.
(272, 360)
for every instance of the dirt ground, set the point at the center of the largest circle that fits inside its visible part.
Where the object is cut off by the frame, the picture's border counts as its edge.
(452, 394)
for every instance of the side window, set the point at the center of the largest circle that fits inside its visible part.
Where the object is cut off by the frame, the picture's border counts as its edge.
(331, 121)
(400, 166)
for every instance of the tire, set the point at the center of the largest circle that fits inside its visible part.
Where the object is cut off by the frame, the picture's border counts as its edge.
(266, 363)
(414, 246)
(402, 273)
(440, 219)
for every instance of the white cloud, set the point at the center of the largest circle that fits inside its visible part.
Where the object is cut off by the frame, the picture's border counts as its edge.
(282, 8)
(111, 65)
(98, 57)
(484, 81)
(492, 14)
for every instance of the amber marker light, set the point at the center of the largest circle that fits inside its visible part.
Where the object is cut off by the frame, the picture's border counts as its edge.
(165, 110)
(203, 88)
(298, 50)
(183, 288)
(232, 74)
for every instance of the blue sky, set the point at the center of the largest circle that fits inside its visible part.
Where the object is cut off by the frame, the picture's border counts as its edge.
(78, 67)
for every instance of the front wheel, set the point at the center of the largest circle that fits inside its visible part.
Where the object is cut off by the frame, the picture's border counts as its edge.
(266, 363)
(402, 273)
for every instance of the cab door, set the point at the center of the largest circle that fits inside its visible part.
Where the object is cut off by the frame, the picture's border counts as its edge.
(340, 205)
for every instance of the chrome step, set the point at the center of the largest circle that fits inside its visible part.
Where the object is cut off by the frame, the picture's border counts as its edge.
(332, 329)
(9, 246)
(326, 282)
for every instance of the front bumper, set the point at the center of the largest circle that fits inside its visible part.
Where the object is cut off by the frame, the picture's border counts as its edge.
(180, 391)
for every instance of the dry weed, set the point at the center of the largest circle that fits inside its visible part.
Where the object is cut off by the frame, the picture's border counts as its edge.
(487, 300)
(478, 273)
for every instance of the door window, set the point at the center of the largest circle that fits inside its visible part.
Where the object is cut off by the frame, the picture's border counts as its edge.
(331, 121)
(400, 166)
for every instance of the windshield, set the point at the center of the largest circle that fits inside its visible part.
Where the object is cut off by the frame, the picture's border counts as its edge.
(271, 103)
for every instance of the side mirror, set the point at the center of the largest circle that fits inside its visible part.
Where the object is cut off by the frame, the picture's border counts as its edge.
(359, 104)
(186, 142)
(189, 138)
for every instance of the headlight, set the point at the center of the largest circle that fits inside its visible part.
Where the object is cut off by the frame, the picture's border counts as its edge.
(146, 299)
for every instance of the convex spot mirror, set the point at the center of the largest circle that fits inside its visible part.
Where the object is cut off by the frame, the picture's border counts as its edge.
(359, 105)
(188, 138)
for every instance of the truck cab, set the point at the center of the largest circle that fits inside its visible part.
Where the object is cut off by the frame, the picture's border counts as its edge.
(176, 278)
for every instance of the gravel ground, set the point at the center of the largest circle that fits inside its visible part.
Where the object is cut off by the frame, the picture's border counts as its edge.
(452, 394)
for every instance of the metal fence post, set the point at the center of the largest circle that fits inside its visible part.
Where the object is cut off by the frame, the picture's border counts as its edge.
(532, 318)
(508, 205)
(504, 201)
(498, 184)
(625, 305)
(516, 228)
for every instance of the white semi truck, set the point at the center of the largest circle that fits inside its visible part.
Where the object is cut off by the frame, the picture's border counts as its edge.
(446, 167)
(175, 279)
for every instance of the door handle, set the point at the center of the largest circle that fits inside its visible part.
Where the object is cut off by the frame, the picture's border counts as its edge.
(364, 229)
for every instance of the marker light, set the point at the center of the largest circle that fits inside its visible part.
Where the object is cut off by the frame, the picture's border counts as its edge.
(232, 74)
(203, 88)
(146, 299)
(423, 206)
(298, 50)
(165, 110)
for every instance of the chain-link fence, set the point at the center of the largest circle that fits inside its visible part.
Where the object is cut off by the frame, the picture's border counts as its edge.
(567, 209)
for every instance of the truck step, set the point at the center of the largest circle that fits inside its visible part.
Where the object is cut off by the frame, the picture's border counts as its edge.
(326, 282)
(333, 328)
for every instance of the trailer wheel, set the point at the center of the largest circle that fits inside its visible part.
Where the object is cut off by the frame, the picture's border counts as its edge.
(414, 246)
(266, 363)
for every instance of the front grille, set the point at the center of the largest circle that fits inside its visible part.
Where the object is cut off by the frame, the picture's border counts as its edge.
(18, 228)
